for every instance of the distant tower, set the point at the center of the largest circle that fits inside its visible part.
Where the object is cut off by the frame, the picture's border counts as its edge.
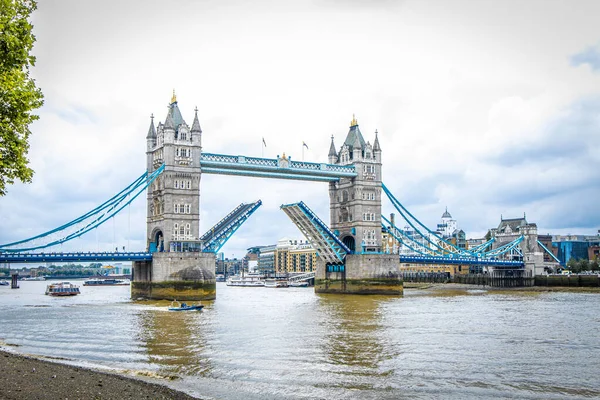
(173, 222)
(448, 225)
(355, 204)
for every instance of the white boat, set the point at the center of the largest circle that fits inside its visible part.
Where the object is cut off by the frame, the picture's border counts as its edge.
(36, 278)
(276, 283)
(249, 280)
(62, 289)
(298, 284)
(4, 282)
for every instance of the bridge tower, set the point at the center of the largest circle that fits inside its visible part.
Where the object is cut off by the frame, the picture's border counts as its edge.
(178, 268)
(355, 204)
(355, 217)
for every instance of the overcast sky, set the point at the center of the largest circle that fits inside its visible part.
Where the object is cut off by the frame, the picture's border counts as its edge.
(487, 107)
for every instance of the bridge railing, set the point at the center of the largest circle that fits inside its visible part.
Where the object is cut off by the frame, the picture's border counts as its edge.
(229, 161)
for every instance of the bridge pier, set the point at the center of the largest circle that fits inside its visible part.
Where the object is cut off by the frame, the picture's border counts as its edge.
(361, 274)
(170, 275)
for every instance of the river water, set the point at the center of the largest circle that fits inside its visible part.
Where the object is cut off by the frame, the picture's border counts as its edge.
(261, 343)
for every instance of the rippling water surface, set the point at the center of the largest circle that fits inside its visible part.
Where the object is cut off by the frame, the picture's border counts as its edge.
(257, 343)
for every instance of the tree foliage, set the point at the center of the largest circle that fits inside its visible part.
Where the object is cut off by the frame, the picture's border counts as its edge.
(19, 95)
(580, 265)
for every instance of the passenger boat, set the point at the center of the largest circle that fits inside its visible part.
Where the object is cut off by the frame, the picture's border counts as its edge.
(177, 306)
(105, 282)
(276, 283)
(62, 289)
(249, 280)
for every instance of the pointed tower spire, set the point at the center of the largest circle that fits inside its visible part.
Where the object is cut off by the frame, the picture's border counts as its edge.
(196, 123)
(169, 123)
(332, 151)
(151, 130)
(173, 98)
(376, 146)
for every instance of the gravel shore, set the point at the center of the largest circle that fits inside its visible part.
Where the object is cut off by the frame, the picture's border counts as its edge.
(29, 378)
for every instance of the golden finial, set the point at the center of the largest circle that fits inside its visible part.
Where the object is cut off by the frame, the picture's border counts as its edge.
(354, 122)
(174, 98)
(283, 156)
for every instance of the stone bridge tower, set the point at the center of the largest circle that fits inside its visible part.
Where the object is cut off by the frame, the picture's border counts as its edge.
(173, 221)
(178, 270)
(355, 204)
(355, 217)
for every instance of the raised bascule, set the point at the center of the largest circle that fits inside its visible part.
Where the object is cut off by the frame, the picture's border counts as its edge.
(179, 261)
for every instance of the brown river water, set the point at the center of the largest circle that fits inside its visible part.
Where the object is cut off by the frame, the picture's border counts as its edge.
(262, 343)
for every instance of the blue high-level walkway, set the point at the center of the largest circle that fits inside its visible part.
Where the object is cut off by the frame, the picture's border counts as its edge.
(281, 168)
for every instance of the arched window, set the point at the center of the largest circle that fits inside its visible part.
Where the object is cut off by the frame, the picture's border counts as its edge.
(176, 184)
(188, 230)
(181, 230)
(344, 196)
(175, 229)
(189, 184)
(177, 152)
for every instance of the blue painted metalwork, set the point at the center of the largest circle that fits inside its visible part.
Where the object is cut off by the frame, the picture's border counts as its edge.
(98, 216)
(461, 261)
(423, 252)
(327, 244)
(217, 236)
(549, 252)
(274, 168)
(70, 257)
(441, 244)
(477, 250)
(506, 248)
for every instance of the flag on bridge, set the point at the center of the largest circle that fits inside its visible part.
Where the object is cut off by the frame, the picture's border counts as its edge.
(304, 144)
(264, 143)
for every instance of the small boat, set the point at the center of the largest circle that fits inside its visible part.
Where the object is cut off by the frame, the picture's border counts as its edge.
(62, 289)
(35, 278)
(276, 283)
(105, 282)
(4, 282)
(177, 306)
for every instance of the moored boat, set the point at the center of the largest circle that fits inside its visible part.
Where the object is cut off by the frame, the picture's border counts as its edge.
(276, 283)
(62, 289)
(105, 282)
(4, 282)
(249, 280)
(298, 284)
(35, 278)
(177, 306)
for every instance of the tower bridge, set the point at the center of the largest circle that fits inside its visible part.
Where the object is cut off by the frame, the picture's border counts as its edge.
(179, 261)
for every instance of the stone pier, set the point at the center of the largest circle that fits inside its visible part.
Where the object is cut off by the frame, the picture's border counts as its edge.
(361, 274)
(172, 275)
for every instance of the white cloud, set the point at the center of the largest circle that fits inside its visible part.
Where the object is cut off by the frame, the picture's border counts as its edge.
(468, 99)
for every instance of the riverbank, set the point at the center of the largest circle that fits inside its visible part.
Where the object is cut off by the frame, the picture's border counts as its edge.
(23, 377)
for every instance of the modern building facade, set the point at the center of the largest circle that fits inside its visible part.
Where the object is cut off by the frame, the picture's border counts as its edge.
(266, 260)
(578, 247)
(294, 256)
